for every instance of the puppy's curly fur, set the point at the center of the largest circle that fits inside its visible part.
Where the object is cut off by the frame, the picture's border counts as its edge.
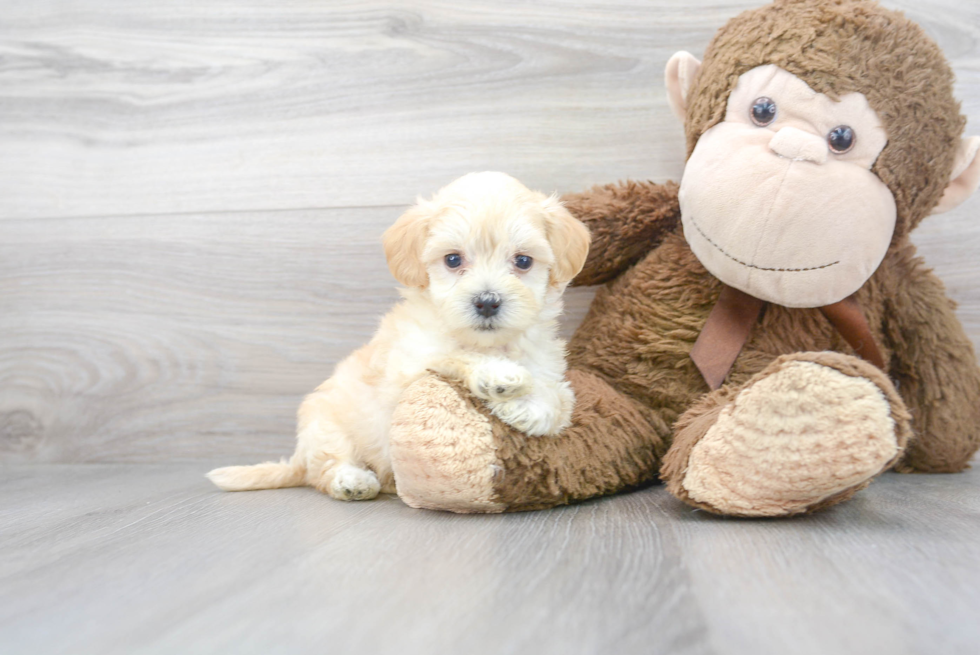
(484, 264)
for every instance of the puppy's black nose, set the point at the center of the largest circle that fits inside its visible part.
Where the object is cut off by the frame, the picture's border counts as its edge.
(487, 304)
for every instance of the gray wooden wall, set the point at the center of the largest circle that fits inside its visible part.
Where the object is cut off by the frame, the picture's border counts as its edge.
(191, 193)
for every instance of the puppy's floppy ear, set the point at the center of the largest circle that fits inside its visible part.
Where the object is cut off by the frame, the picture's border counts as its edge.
(403, 244)
(569, 240)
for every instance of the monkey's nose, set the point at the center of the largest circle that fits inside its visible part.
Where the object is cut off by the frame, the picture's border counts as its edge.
(487, 304)
(799, 145)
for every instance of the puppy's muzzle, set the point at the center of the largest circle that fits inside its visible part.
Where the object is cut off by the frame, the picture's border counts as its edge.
(487, 304)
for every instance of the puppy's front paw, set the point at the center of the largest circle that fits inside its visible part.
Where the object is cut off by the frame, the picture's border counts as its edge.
(532, 415)
(499, 380)
(353, 483)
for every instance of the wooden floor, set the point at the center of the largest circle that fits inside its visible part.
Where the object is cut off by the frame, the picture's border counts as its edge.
(191, 199)
(108, 559)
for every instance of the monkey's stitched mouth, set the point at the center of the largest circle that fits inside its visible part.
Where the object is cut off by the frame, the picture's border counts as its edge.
(759, 268)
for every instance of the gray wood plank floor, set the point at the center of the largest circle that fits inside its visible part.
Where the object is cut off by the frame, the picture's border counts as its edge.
(150, 559)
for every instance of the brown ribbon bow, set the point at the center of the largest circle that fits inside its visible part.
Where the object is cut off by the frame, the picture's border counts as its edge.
(735, 314)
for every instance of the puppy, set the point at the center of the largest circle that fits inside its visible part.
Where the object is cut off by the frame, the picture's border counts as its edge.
(484, 264)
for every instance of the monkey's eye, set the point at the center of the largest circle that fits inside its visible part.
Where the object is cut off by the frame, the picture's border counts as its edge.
(841, 139)
(523, 262)
(763, 111)
(454, 260)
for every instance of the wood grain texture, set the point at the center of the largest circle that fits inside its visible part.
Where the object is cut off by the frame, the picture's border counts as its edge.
(151, 559)
(181, 337)
(191, 194)
(112, 107)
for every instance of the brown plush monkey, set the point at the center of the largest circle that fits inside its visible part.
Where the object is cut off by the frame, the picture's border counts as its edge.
(766, 341)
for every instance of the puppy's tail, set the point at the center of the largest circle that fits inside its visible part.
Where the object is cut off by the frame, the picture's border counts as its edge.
(268, 475)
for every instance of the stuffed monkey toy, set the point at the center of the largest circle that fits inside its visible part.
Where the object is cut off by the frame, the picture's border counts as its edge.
(766, 341)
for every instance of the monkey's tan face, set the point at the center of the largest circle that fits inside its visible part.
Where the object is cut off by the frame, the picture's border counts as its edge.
(779, 200)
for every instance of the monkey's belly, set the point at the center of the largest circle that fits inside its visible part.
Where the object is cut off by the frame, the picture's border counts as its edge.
(640, 329)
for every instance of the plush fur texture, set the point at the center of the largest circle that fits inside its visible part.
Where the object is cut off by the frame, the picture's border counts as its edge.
(484, 263)
(755, 201)
(450, 453)
(630, 367)
(839, 47)
(464, 482)
(808, 428)
(643, 408)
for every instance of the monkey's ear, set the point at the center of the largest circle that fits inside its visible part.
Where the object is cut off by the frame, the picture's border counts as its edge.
(679, 74)
(965, 177)
(569, 239)
(403, 244)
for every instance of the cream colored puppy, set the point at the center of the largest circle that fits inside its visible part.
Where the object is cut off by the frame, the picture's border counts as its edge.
(484, 264)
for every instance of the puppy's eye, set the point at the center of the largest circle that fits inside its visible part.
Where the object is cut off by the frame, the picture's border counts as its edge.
(523, 262)
(763, 111)
(454, 260)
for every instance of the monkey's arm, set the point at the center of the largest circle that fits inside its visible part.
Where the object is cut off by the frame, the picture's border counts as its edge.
(936, 370)
(627, 220)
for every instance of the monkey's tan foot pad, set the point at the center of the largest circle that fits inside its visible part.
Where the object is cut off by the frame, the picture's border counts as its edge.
(799, 436)
(442, 450)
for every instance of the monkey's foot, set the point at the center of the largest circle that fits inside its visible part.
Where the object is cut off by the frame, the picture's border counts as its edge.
(807, 432)
(443, 450)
